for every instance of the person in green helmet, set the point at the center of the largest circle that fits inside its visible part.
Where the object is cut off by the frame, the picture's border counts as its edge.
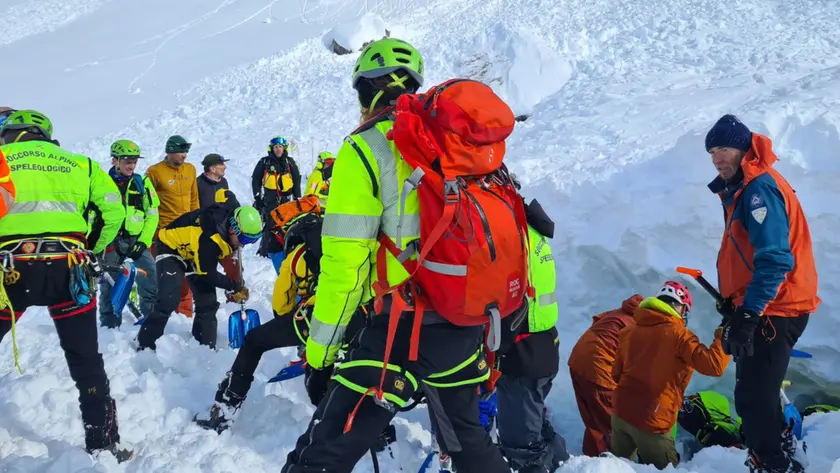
(49, 262)
(364, 201)
(192, 245)
(135, 237)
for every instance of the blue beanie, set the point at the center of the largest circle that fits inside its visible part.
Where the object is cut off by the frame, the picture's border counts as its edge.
(729, 132)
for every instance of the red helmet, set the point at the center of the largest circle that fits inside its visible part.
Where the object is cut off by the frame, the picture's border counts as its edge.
(676, 291)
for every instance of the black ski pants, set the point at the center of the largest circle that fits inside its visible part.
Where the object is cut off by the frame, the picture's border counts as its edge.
(170, 276)
(279, 332)
(43, 284)
(758, 380)
(324, 447)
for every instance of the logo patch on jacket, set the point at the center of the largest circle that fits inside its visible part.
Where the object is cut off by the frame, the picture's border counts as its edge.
(758, 208)
(759, 214)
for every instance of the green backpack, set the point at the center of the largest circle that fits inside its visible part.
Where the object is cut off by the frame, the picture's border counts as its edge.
(706, 416)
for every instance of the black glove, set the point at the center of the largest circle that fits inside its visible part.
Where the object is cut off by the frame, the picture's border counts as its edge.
(726, 308)
(739, 333)
(138, 250)
(317, 382)
(258, 204)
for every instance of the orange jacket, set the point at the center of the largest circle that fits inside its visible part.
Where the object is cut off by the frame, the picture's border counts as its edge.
(656, 358)
(7, 187)
(766, 261)
(593, 356)
(177, 189)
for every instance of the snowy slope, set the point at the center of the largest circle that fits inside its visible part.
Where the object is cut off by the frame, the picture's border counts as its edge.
(619, 94)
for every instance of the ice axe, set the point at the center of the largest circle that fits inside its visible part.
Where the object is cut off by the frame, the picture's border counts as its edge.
(243, 320)
(698, 276)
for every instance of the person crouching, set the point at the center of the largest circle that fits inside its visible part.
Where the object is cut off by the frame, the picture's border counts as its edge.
(655, 361)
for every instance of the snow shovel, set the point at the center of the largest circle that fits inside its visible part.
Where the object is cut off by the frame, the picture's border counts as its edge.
(698, 276)
(293, 370)
(243, 320)
(122, 287)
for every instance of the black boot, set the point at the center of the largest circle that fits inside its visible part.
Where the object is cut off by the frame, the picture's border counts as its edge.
(105, 436)
(229, 398)
(779, 463)
(121, 454)
(386, 437)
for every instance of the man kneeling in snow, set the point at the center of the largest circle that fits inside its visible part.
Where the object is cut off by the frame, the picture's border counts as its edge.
(655, 361)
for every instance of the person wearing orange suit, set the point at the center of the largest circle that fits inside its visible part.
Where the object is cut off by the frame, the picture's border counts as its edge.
(656, 359)
(767, 274)
(590, 366)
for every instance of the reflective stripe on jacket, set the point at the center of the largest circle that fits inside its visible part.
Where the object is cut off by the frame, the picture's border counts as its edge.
(365, 197)
(54, 190)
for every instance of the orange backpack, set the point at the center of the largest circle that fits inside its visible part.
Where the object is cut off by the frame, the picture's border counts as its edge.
(287, 211)
(472, 257)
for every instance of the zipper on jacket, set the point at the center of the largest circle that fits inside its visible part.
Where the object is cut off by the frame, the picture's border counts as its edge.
(735, 243)
(486, 226)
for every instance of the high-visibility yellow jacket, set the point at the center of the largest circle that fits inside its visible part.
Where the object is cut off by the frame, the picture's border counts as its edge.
(365, 192)
(542, 309)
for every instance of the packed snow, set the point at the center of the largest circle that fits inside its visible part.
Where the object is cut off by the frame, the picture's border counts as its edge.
(618, 97)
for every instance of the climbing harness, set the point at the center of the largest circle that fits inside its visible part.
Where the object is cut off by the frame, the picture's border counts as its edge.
(45, 249)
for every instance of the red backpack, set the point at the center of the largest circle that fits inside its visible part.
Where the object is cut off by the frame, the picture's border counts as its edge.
(472, 264)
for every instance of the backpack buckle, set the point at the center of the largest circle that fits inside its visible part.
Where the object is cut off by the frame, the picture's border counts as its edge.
(451, 191)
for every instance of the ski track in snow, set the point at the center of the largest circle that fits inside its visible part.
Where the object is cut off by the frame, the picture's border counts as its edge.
(50, 15)
(619, 98)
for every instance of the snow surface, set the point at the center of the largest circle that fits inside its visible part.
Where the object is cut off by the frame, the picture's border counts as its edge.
(619, 94)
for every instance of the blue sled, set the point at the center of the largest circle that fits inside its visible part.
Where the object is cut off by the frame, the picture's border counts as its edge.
(289, 372)
(122, 287)
(239, 324)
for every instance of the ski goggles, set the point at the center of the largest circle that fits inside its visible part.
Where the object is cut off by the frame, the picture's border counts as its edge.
(279, 140)
(244, 238)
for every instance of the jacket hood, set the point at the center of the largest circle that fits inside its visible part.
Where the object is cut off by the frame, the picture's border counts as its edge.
(538, 219)
(759, 158)
(631, 303)
(653, 311)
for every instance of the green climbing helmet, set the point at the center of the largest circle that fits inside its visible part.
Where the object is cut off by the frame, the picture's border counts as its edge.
(28, 120)
(125, 149)
(386, 56)
(248, 221)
